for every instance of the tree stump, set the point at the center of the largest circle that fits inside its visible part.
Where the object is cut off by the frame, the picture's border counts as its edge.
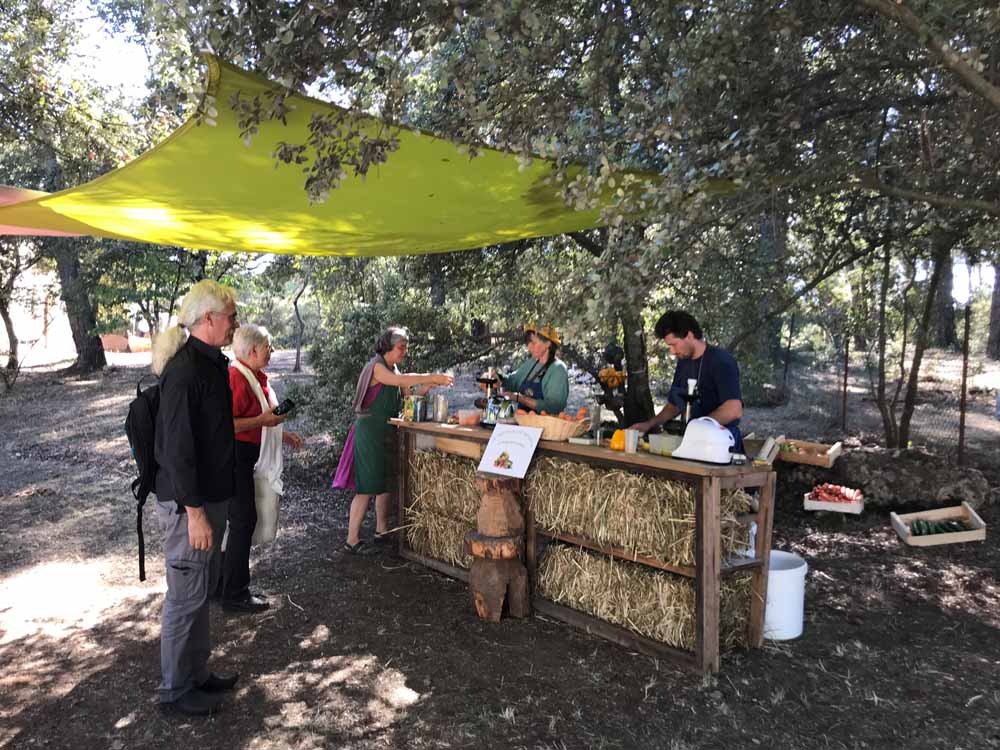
(497, 545)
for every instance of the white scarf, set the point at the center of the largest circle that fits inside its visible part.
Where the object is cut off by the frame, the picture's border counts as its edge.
(271, 462)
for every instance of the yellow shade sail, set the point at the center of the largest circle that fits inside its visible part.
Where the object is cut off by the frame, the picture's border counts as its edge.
(204, 188)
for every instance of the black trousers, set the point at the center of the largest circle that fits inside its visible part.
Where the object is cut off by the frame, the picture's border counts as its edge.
(242, 522)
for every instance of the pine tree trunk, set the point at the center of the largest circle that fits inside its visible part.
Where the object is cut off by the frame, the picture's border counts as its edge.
(80, 308)
(993, 341)
(943, 333)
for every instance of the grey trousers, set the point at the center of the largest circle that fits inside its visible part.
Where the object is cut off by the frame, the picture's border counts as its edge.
(185, 640)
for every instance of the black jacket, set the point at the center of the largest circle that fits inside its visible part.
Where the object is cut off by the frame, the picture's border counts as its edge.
(194, 427)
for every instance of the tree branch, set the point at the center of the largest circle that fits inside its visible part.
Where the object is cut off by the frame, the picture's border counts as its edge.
(933, 199)
(910, 21)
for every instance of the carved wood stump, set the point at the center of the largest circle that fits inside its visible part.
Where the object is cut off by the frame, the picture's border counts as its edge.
(497, 545)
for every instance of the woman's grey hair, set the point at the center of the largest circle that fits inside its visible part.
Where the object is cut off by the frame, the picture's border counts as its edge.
(247, 337)
(392, 336)
(204, 297)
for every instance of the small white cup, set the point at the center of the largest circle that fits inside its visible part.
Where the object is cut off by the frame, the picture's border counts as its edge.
(631, 441)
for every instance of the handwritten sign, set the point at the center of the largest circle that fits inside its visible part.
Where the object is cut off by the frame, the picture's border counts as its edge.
(510, 450)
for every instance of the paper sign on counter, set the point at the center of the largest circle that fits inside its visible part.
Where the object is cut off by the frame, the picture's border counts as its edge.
(510, 450)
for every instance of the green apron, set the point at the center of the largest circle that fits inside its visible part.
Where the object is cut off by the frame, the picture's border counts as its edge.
(375, 444)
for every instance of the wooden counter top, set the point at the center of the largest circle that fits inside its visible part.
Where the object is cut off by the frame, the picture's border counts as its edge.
(594, 453)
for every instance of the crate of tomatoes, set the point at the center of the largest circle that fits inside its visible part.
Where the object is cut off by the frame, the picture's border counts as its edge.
(835, 497)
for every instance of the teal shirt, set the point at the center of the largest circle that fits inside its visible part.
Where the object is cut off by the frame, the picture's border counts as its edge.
(555, 384)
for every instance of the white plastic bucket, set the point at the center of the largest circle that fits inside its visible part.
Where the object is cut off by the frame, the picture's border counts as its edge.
(786, 595)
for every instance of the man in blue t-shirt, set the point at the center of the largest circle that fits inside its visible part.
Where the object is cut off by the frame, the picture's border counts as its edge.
(715, 371)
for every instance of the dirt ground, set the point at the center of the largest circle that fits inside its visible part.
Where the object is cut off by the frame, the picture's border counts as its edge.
(900, 649)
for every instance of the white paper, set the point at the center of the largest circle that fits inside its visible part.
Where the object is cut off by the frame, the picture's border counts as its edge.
(510, 450)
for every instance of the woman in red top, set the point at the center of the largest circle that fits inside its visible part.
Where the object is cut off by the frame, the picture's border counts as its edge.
(252, 347)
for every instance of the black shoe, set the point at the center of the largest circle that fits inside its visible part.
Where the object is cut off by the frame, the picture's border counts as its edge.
(250, 605)
(194, 703)
(219, 683)
(385, 539)
(362, 548)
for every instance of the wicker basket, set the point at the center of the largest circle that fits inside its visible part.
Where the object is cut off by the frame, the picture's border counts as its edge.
(553, 428)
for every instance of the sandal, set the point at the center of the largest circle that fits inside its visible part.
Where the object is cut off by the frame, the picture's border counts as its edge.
(362, 548)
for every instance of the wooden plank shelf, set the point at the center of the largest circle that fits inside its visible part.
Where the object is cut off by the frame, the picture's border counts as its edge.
(733, 565)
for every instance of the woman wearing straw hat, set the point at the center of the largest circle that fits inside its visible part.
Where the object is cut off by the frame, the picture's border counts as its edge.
(541, 382)
(366, 462)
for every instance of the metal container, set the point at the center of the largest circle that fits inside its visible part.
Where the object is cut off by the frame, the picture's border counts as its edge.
(440, 408)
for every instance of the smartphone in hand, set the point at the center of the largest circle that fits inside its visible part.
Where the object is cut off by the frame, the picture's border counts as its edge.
(284, 407)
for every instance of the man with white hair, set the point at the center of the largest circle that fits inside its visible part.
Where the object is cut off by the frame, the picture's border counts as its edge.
(194, 483)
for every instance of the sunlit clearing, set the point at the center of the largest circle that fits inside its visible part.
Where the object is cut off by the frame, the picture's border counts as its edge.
(353, 695)
(58, 598)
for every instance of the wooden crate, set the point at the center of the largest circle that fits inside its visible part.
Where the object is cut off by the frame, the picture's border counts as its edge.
(856, 507)
(752, 446)
(814, 454)
(963, 512)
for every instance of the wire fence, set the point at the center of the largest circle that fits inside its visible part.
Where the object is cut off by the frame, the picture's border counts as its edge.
(822, 404)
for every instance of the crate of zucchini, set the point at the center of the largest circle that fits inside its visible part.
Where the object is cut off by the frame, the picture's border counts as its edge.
(443, 506)
(928, 528)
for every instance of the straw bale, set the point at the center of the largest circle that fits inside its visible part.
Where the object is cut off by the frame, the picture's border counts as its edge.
(443, 484)
(650, 602)
(650, 516)
(440, 537)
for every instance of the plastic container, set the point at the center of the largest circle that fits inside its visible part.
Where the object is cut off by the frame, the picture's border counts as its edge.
(469, 416)
(663, 443)
(786, 594)
(631, 441)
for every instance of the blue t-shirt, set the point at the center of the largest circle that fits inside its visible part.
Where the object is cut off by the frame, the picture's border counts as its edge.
(718, 378)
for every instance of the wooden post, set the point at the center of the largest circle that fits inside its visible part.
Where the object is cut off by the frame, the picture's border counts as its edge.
(497, 572)
(403, 439)
(762, 550)
(965, 373)
(708, 533)
(847, 365)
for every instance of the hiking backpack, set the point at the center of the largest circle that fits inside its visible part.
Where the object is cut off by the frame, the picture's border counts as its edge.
(140, 427)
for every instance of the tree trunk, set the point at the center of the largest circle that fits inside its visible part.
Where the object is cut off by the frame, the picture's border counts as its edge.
(942, 242)
(886, 406)
(299, 334)
(638, 397)
(993, 341)
(80, 308)
(943, 332)
(773, 243)
(8, 324)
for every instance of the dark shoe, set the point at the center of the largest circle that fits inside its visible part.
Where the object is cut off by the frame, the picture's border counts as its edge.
(362, 548)
(219, 683)
(386, 539)
(194, 703)
(251, 605)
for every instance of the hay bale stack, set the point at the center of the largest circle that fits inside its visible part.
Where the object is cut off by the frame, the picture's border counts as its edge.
(650, 516)
(653, 603)
(444, 484)
(440, 537)
(443, 507)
